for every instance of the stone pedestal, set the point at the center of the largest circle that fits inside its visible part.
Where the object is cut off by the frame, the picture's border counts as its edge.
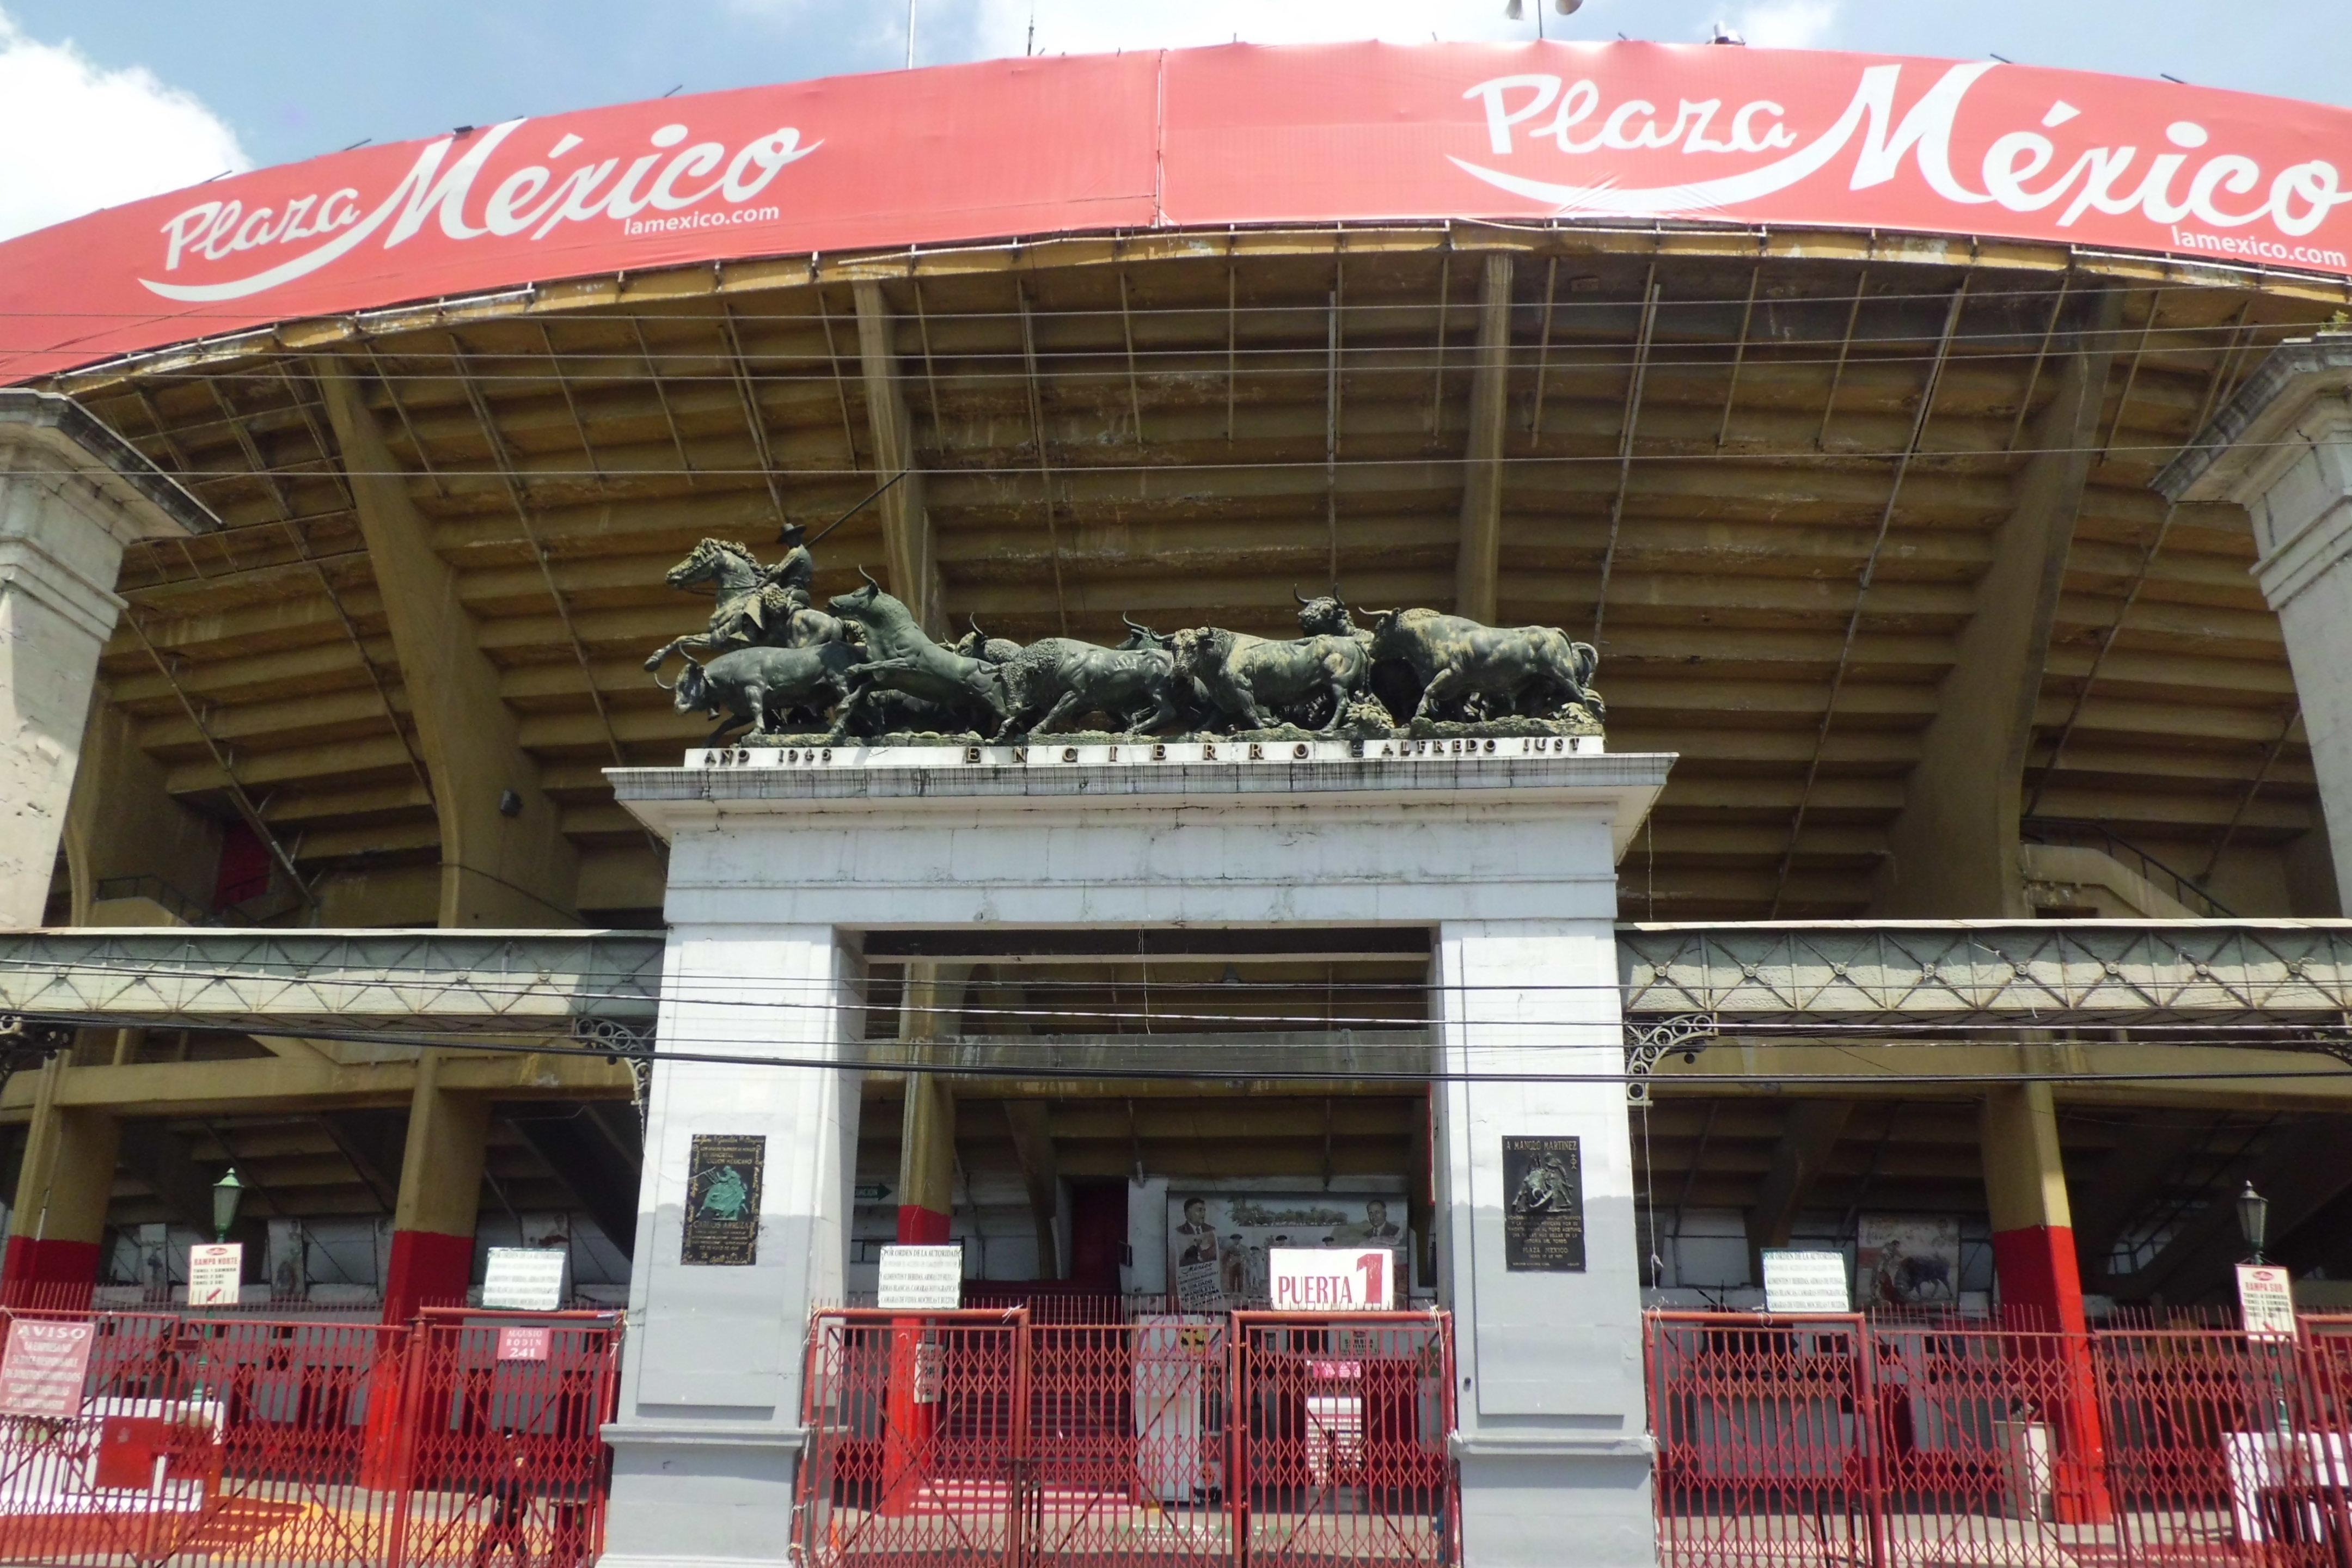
(1552, 1426)
(708, 1427)
(72, 494)
(2282, 448)
(782, 862)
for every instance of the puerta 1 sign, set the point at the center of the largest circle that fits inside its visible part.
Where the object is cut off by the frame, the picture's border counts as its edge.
(1197, 138)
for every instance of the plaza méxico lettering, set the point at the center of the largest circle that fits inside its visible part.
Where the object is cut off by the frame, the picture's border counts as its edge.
(1524, 111)
(534, 200)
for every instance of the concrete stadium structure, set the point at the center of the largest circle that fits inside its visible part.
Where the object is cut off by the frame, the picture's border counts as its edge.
(1950, 565)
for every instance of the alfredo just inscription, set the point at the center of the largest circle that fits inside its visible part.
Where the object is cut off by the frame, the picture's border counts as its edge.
(1543, 1222)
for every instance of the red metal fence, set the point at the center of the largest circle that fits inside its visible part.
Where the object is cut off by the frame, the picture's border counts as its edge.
(1167, 1440)
(1841, 1440)
(243, 1441)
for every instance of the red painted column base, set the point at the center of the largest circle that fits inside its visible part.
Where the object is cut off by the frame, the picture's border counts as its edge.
(58, 1274)
(2042, 1293)
(428, 1269)
(906, 1439)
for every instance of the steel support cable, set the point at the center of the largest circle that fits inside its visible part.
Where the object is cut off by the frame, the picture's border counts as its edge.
(503, 463)
(245, 809)
(303, 547)
(1627, 426)
(1862, 592)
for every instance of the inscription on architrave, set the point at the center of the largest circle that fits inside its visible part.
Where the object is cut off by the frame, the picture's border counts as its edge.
(1543, 1224)
(723, 1199)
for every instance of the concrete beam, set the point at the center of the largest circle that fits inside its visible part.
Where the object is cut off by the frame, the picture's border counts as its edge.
(122, 821)
(2121, 1186)
(2301, 1171)
(1479, 560)
(2137, 1076)
(294, 980)
(1807, 1142)
(1953, 850)
(1032, 1147)
(161, 1158)
(287, 1084)
(906, 522)
(504, 858)
(596, 1154)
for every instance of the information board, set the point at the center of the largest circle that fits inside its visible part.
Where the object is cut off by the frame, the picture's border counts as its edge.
(920, 1279)
(1805, 1282)
(215, 1271)
(524, 1278)
(41, 1371)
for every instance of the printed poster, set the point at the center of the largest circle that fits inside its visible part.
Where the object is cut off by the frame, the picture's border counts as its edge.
(1907, 1260)
(1218, 1243)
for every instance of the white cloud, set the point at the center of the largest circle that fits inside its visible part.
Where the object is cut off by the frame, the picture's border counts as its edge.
(1090, 26)
(1789, 24)
(74, 137)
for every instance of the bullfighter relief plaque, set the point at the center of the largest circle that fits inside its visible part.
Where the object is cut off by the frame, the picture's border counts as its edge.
(722, 1200)
(1543, 1222)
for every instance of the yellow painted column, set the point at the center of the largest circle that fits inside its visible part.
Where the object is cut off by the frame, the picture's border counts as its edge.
(440, 1185)
(929, 1010)
(59, 1223)
(2040, 1281)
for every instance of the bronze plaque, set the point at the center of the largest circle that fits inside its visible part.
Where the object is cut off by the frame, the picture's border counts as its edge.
(1543, 1224)
(722, 1200)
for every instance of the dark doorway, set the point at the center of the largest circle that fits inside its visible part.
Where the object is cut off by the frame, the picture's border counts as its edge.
(1097, 1234)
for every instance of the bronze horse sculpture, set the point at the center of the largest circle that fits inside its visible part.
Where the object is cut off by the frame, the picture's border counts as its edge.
(754, 610)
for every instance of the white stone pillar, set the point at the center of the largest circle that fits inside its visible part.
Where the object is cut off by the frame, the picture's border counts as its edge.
(708, 1430)
(72, 494)
(2282, 448)
(1552, 1428)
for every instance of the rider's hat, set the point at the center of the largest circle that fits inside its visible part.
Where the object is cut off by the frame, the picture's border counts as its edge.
(792, 534)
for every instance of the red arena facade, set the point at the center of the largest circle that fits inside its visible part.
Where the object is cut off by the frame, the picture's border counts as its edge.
(1944, 459)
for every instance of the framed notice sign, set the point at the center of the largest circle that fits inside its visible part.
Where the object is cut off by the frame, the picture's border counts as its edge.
(1805, 1282)
(921, 1279)
(722, 1200)
(2267, 1300)
(1543, 1211)
(215, 1270)
(42, 1369)
(524, 1278)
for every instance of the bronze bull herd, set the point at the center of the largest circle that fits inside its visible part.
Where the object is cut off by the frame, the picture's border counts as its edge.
(868, 670)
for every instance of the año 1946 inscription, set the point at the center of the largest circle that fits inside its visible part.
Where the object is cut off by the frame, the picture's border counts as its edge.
(1543, 1222)
(723, 1199)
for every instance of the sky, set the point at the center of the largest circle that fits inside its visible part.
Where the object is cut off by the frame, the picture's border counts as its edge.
(102, 101)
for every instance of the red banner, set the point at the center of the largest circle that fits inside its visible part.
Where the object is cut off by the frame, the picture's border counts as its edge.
(1604, 133)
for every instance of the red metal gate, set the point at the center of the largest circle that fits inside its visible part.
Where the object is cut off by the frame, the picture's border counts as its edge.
(1172, 1440)
(1836, 1439)
(504, 1455)
(243, 1441)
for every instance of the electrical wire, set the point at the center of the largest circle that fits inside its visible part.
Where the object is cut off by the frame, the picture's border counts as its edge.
(1338, 1072)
